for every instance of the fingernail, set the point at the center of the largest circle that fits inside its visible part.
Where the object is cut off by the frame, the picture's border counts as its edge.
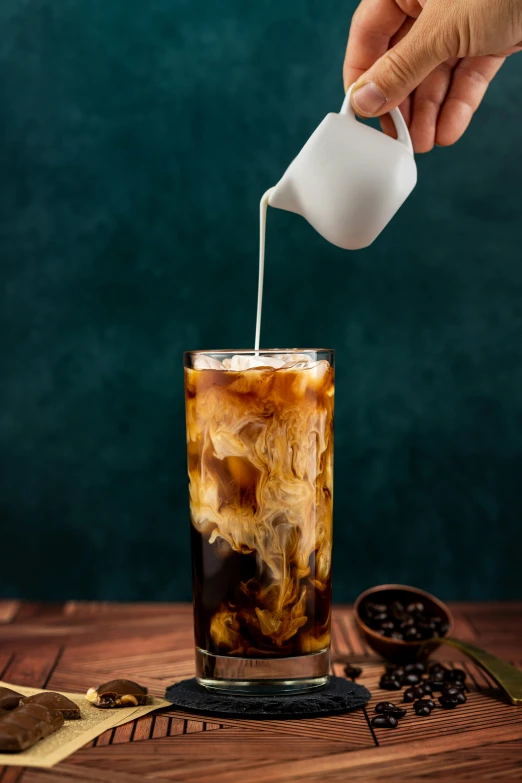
(368, 99)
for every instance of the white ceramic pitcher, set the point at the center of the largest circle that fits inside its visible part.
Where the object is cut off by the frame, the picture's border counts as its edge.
(349, 179)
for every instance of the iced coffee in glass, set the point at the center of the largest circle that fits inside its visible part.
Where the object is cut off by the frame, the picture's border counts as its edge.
(260, 465)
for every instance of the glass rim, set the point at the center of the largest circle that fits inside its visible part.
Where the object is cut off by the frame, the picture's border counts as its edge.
(245, 351)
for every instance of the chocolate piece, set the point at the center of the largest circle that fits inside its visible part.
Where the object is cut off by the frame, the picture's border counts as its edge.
(55, 701)
(117, 693)
(9, 699)
(26, 725)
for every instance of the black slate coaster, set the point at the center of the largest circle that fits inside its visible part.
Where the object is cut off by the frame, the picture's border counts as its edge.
(337, 697)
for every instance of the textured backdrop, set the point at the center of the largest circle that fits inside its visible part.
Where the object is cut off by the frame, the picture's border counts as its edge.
(136, 139)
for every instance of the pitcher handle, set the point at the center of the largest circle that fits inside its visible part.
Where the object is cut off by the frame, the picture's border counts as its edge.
(403, 134)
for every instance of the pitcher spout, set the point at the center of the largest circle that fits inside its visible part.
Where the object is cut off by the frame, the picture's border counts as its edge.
(284, 196)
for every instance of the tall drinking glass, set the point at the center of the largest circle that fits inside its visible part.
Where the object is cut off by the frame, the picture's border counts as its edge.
(260, 464)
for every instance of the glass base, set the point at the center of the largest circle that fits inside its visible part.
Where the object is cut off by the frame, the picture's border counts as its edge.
(255, 676)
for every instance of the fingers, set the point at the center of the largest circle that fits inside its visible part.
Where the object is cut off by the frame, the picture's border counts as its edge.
(470, 81)
(400, 70)
(374, 23)
(427, 101)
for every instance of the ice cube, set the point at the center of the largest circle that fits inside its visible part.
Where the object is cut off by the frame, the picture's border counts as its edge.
(241, 362)
(204, 362)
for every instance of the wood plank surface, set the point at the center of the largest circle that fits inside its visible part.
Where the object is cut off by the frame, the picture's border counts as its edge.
(80, 644)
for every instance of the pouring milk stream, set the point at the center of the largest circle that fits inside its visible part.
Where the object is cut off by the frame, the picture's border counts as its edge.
(348, 181)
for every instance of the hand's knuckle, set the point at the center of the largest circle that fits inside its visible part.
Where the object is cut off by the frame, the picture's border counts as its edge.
(399, 67)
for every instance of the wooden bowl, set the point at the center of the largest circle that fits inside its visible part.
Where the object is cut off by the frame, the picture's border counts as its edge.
(396, 650)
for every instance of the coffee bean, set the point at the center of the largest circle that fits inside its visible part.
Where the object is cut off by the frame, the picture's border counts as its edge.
(455, 675)
(418, 667)
(387, 708)
(390, 683)
(411, 678)
(352, 671)
(461, 698)
(410, 694)
(447, 704)
(443, 629)
(380, 617)
(387, 625)
(410, 634)
(395, 671)
(436, 667)
(384, 722)
(448, 692)
(384, 706)
(397, 635)
(407, 623)
(431, 704)
(421, 708)
(435, 685)
(426, 687)
(415, 608)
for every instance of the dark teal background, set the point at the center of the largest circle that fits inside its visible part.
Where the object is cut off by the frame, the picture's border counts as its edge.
(136, 139)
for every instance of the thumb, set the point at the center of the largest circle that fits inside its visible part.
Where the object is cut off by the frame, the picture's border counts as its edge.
(396, 74)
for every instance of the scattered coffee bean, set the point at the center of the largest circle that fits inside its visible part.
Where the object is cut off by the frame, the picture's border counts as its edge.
(396, 671)
(449, 692)
(426, 687)
(384, 706)
(436, 667)
(447, 704)
(431, 704)
(410, 694)
(390, 683)
(384, 722)
(418, 667)
(455, 675)
(411, 678)
(387, 708)
(352, 671)
(461, 698)
(422, 708)
(435, 685)
(415, 692)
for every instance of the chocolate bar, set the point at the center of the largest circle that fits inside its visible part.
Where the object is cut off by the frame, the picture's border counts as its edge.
(26, 725)
(9, 699)
(55, 701)
(117, 693)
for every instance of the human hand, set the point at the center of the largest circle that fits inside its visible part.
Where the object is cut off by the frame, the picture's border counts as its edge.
(432, 58)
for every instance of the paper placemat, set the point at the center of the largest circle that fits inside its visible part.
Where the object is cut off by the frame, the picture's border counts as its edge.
(74, 733)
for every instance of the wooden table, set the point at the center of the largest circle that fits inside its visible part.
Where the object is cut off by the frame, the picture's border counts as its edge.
(76, 645)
